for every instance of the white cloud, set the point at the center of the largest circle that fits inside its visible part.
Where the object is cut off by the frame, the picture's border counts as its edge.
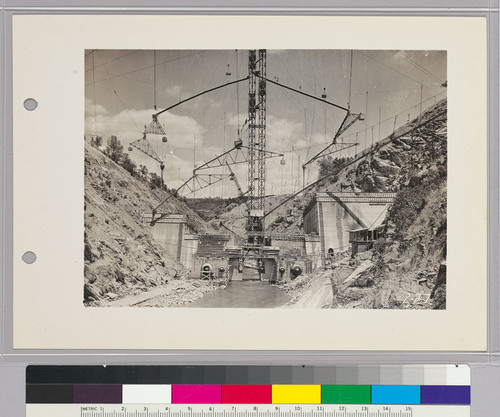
(177, 153)
(283, 134)
(176, 93)
(128, 126)
(91, 109)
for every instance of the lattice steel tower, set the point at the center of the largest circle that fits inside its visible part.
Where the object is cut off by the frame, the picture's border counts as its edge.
(256, 144)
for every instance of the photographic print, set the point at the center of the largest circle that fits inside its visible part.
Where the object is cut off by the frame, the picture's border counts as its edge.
(310, 194)
(266, 178)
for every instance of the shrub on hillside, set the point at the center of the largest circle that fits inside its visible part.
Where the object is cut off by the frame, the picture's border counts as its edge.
(155, 180)
(114, 149)
(128, 164)
(143, 171)
(330, 166)
(408, 203)
(96, 142)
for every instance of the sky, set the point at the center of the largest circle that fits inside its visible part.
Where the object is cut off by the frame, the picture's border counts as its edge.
(123, 86)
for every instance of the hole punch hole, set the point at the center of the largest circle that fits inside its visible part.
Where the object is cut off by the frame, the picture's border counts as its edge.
(29, 257)
(30, 104)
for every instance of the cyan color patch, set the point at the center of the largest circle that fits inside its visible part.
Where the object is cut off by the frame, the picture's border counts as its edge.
(395, 394)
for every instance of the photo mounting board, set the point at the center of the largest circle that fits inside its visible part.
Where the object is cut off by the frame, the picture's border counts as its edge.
(50, 195)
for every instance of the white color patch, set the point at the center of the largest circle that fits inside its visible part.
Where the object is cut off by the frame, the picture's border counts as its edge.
(147, 394)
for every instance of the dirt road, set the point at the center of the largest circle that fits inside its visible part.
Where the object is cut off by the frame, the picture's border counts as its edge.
(317, 294)
(174, 293)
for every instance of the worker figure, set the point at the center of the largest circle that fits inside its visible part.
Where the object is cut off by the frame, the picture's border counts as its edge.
(331, 255)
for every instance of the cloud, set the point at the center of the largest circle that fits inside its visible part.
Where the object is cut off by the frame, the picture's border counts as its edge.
(176, 93)
(128, 125)
(91, 109)
(177, 152)
(234, 118)
(283, 134)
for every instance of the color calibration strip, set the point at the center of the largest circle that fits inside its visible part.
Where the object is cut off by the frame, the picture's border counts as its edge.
(364, 384)
(248, 394)
(251, 375)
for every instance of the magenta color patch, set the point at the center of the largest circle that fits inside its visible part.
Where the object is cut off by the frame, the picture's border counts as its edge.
(196, 394)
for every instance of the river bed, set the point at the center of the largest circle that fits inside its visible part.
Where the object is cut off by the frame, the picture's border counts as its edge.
(242, 294)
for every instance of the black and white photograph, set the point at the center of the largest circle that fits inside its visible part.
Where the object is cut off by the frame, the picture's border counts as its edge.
(265, 178)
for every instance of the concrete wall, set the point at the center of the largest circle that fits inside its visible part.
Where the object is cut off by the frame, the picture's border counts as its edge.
(332, 215)
(215, 262)
(234, 274)
(288, 263)
(189, 249)
(292, 247)
(171, 233)
(313, 251)
(169, 236)
(335, 228)
(311, 218)
(270, 270)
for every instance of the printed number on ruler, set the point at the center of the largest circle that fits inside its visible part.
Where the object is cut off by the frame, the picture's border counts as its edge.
(250, 411)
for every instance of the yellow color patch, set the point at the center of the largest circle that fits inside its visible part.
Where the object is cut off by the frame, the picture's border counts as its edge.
(296, 394)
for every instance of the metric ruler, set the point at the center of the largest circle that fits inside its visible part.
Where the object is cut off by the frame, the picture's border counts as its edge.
(258, 410)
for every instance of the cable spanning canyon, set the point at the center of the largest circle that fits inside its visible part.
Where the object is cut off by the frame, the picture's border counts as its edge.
(266, 179)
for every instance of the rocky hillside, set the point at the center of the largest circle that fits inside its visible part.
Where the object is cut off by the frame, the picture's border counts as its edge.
(413, 149)
(121, 256)
(287, 218)
(210, 208)
(410, 260)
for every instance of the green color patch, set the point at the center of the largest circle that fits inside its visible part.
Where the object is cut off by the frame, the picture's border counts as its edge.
(345, 394)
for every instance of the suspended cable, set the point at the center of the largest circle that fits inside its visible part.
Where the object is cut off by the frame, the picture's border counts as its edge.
(190, 68)
(120, 100)
(154, 78)
(398, 114)
(300, 92)
(111, 60)
(423, 69)
(237, 96)
(93, 88)
(366, 121)
(350, 83)
(123, 105)
(347, 164)
(395, 70)
(199, 94)
(150, 66)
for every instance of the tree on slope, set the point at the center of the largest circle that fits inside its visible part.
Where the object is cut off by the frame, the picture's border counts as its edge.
(114, 150)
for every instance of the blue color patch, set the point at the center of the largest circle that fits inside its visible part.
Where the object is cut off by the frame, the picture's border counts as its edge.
(395, 394)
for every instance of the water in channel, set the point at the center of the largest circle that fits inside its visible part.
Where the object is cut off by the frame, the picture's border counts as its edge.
(243, 294)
